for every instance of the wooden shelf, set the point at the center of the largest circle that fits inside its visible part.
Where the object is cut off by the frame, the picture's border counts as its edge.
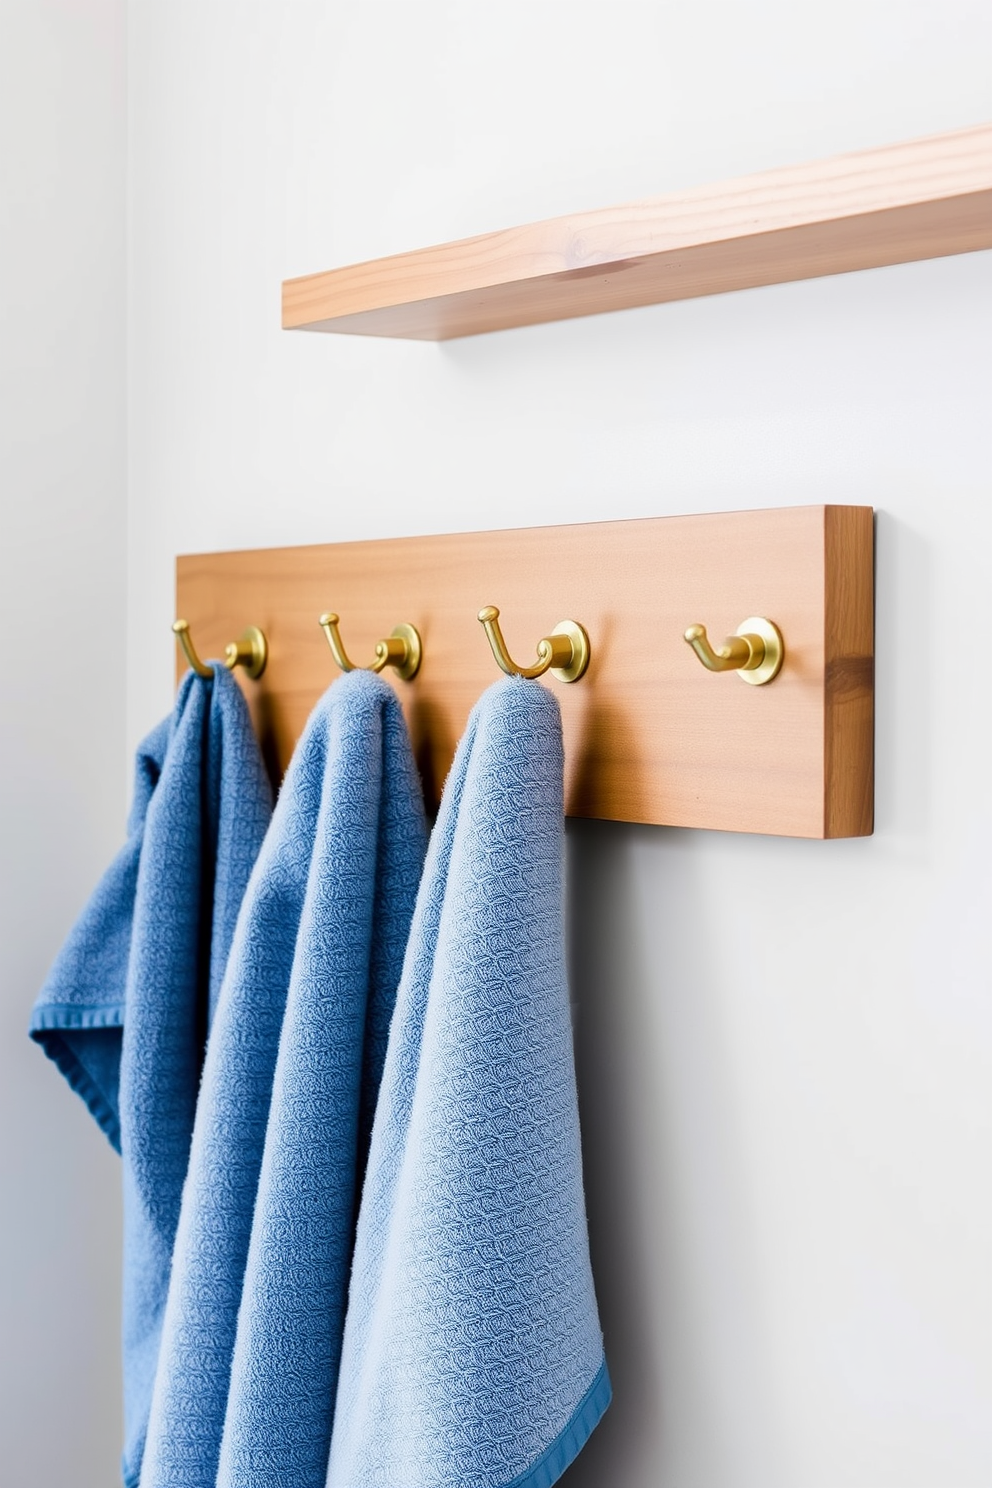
(923, 199)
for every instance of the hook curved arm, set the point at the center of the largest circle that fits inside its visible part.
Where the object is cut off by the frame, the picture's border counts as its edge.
(755, 653)
(402, 650)
(329, 625)
(735, 653)
(564, 653)
(250, 650)
(181, 632)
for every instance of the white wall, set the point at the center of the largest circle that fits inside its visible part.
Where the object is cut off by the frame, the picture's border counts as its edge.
(787, 1125)
(62, 778)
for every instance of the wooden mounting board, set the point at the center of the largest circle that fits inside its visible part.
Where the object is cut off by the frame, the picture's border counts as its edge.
(921, 199)
(650, 735)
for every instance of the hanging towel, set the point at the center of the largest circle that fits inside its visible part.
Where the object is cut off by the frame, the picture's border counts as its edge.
(245, 1389)
(473, 1356)
(125, 1010)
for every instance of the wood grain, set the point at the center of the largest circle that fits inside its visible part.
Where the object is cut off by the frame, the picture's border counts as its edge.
(849, 719)
(650, 735)
(922, 199)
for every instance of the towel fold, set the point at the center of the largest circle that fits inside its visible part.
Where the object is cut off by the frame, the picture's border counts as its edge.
(126, 1007)
(473, 1356)
(248, 1368)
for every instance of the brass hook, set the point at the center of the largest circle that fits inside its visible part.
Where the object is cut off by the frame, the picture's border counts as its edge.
(564, 653)
(403, 649)
(250, 650)
(755, 653)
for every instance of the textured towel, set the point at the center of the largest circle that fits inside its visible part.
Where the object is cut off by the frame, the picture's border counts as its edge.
(245, 1389)
(472, 1355)
(125, 1010)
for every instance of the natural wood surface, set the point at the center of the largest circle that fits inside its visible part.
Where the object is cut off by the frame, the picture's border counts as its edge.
(849, 722)
(922, 199)
(650, 735)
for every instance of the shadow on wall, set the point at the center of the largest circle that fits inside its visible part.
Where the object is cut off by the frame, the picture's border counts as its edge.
(603, 975)
(671, 1246)
(907, 680)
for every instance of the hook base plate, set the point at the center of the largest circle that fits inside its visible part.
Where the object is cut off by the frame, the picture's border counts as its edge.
(250, 650)
(774, 650)
(580, 651)
(410, 635)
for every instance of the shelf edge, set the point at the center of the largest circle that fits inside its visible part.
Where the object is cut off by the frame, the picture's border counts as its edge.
(922, 199)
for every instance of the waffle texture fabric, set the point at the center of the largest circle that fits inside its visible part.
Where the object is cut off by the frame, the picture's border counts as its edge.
(473, 1356)
(248, 1369)
(125, 1011)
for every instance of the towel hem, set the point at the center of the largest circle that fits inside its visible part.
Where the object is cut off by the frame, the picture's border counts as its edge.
(47, 1027)
(64, 1015)
(569, 1443)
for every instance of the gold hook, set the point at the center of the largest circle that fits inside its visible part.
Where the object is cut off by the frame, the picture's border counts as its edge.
(403, 649)
(755, 653)
(564, 653)
(250, 650)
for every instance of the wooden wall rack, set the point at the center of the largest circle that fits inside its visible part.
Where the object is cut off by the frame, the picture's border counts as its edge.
(922, 199)
(650, 736)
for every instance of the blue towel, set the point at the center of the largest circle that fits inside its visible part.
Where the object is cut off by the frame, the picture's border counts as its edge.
(125, 1010)
(246, 1382)
(473, 1356)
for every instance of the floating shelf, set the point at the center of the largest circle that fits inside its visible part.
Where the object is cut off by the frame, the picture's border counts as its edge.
(923, 199)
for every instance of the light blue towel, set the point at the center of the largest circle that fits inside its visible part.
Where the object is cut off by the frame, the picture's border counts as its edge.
(245, 1388)
(125, 1010)
(473, 1356)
